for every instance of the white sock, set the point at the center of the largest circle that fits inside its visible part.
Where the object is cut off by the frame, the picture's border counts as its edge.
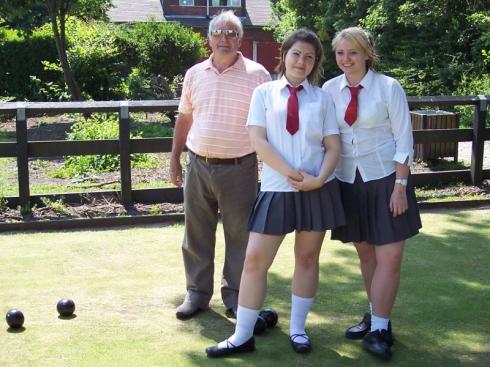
(244, 328)
(370, 308)
(379, 323)
(299, 311)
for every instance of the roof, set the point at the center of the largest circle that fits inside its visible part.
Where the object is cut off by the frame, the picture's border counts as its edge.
(258, 13)
(135, 11)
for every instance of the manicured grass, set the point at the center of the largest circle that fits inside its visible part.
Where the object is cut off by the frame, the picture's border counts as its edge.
(127, 282)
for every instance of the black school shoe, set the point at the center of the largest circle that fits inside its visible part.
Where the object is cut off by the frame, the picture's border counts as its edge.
(215, 351)
(375, 343)
(360, 330)
(300, 347)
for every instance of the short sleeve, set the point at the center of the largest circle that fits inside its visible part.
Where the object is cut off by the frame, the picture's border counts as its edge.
(257, 111)
(185, 105)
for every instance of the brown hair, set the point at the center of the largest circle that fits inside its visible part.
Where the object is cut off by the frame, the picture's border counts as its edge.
(361, 39)
(307, 36)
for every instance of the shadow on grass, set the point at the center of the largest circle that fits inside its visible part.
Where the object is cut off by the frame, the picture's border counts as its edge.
(440, 317)
(70, 317)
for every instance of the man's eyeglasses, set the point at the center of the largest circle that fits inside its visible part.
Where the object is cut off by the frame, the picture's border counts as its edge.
(229, 33)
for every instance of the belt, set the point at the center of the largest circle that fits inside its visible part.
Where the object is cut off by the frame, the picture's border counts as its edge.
(221, 160)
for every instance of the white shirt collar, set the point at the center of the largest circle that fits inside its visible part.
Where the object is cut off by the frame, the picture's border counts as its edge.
(366, 81)
(283, 82)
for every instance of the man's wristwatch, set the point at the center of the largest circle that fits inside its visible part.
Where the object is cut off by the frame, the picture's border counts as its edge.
(401, 181)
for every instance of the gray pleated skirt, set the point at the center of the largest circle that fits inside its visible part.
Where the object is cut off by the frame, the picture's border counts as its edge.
(278, 213)
(368, 216)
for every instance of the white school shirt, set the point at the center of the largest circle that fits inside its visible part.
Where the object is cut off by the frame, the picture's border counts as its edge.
(382, 134)
(304, 149)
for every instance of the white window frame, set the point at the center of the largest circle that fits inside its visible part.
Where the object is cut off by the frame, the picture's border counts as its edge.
(229, 3)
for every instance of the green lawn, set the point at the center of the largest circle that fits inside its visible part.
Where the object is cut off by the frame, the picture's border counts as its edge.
(127, 282)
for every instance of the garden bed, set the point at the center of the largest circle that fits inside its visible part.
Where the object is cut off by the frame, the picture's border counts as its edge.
(56, 128)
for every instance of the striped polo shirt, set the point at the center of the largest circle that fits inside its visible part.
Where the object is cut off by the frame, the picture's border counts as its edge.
(219, 104)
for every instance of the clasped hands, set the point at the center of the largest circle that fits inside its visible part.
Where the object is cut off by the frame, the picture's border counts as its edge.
(303, 181)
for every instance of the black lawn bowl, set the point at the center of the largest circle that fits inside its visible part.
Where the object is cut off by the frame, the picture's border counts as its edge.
(270, 316)
(260, 326)
(15, 318)
(65, 307)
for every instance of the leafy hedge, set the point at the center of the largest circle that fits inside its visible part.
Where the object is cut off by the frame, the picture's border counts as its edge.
(20, 58)
(109, 61)
(164, 48)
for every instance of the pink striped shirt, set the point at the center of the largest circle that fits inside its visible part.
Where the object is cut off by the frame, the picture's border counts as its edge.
(219, 104)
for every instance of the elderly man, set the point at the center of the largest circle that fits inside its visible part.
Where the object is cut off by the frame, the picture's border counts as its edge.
(221, 168)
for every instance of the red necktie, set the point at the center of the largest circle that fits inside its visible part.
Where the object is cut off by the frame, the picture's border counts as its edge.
(292, 122)
(351, 111)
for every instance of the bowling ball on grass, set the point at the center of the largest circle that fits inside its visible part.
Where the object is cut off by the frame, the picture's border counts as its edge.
(270, 316)
(65, 307)
(15, 318)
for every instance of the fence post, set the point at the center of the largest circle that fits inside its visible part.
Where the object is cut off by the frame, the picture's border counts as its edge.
(125, 153)
(22, 159)
(477, 145)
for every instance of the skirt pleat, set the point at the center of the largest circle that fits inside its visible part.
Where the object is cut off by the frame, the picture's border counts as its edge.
(278, 213)
(368, 215)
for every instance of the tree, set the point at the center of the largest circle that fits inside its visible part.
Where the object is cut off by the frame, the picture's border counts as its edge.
(25, 15)
(427, 44)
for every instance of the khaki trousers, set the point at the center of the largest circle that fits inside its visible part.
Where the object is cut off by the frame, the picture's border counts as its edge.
(231, 189)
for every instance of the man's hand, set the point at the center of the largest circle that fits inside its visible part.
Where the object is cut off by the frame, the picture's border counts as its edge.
(176, 171)
(182, 127)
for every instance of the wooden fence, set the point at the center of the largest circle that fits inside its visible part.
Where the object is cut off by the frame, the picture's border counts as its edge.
(23, 149)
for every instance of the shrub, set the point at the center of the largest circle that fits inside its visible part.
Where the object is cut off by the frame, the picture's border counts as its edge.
(160, 48)
(143, 61)
(99, 127)
(96, 61)
(20, 58)
(140, 86)
(472, 85)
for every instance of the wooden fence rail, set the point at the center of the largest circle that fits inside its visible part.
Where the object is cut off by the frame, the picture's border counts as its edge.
(23, 149)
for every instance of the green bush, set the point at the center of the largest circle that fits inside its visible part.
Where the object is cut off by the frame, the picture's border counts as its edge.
(21, 59)
(143, 61)
(472, 85)
(140, 86)
(99, 127)
(97, 63)
(160, 48)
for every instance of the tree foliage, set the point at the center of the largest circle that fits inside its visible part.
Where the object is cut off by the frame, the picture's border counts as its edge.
(427, 44)
(109, 61)
(150, 46)
(25, 15)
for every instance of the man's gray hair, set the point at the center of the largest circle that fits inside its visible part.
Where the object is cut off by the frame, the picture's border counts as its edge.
(226, 17)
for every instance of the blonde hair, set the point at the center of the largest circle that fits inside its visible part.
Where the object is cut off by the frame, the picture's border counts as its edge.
(307, 36)
(361, 39)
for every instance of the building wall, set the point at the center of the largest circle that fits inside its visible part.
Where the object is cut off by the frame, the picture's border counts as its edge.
(257, 45)
(200, 7)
